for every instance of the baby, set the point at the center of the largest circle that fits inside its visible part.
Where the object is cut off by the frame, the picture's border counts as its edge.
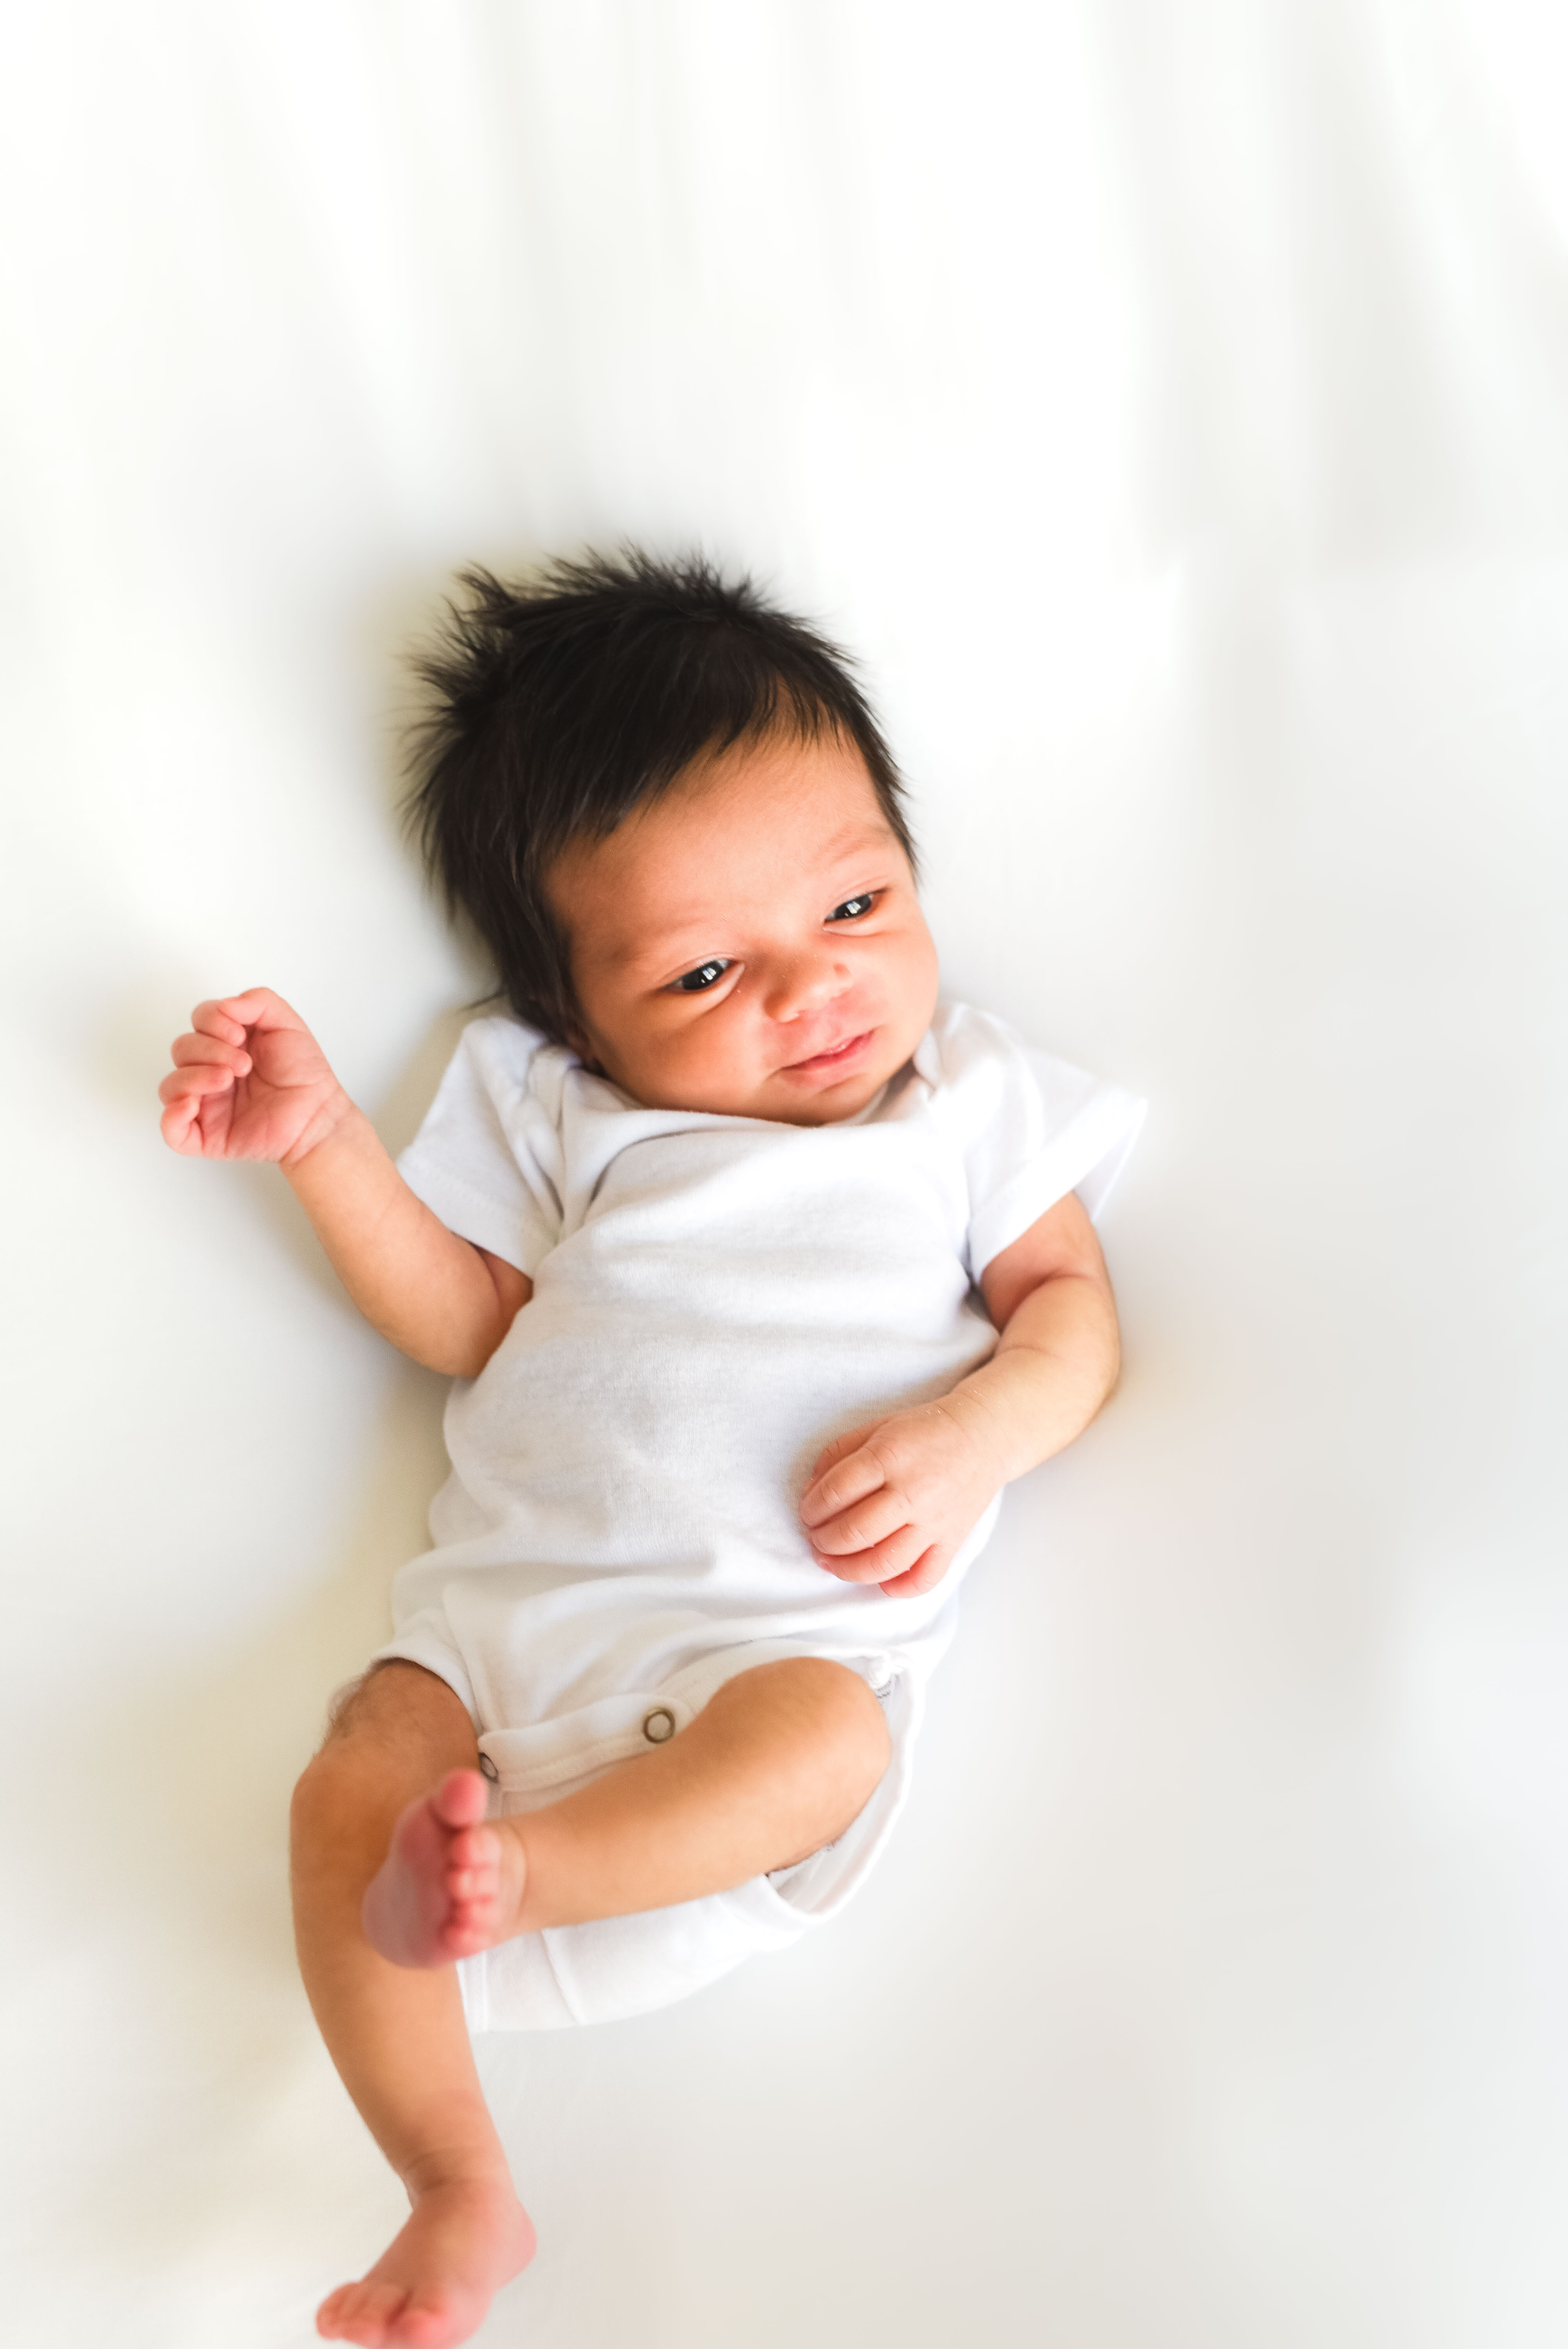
(758, 1275)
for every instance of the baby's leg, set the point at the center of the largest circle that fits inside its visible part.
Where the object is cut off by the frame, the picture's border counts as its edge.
(778, 1764)
(399, 2039)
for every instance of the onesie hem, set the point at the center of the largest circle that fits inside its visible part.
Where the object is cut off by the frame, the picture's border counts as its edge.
(417, 1646)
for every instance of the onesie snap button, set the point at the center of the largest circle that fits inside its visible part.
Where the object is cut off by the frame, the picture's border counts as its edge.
(489, 1770)
(659, 1724)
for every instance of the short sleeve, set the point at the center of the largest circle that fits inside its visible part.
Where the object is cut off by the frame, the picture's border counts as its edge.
(1031, 1128)
(487, 1159)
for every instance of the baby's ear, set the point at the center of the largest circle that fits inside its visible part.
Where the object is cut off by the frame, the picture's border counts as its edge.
(576, 1041)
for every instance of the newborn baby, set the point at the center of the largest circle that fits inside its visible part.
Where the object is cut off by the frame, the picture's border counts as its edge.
(759, 1276)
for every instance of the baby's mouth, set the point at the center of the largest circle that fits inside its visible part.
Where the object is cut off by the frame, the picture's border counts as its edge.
(836, 1056)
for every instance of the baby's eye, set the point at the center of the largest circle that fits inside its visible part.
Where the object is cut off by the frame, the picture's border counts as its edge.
(853, 907)
(702, 976)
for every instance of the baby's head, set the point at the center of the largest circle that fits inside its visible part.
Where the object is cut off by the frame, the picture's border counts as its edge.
(671, 816)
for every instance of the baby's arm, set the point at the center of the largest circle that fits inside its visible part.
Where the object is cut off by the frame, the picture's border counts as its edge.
(250, 1081)
(893, 1502)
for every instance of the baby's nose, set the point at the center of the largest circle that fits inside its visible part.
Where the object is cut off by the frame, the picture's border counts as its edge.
(805, 982)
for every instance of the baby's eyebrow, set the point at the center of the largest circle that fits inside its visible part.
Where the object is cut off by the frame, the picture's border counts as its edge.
(667, 945)
(867, 836)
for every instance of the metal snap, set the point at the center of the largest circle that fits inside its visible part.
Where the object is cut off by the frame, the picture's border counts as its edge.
(489, 1770)
(659, 1726)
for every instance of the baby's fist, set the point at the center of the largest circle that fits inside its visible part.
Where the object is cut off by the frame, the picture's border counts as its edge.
(892, 1502)
(249, 1081)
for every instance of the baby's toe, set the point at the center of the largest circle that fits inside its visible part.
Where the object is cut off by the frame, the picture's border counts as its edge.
(474, 1867)
(364, 2313)
(425, 2323)
(470, 1929)
(461, 1800)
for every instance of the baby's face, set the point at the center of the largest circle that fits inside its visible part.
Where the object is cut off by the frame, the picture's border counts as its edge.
(752, 944)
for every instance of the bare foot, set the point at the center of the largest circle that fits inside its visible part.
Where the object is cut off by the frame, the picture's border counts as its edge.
(448, 1886)
(434, 2281)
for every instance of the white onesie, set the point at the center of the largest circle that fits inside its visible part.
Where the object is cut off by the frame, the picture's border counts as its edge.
(713, 1298)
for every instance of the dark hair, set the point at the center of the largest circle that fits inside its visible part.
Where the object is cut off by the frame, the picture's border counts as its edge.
(563, 703)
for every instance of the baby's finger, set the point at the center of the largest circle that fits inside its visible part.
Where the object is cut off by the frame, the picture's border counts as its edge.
(175, 1123)
(222, 1018)
(181, 1127)
(861, 1525)
(215, 1050)
(846, 1482)
(193, 1084)
(886, 1561)
(840, 1449)
(256, 1006)
(926, 1571)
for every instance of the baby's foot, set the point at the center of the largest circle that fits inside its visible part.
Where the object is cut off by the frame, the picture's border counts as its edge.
(433, 2283)
(450, 1885)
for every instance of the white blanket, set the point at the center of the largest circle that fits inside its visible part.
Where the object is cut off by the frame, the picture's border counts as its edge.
(1168, 404)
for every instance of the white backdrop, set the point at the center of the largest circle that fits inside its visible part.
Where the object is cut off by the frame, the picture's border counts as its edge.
(1168, 398)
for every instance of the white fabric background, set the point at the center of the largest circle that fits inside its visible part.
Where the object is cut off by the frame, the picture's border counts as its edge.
(1168, 398)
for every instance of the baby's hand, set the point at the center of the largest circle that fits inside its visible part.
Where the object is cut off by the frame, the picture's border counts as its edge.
(892, 1502)
(250, 1081)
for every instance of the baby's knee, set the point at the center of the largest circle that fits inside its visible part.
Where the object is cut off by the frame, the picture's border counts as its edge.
(391, 1736)
(329, 1792)
(848, 1729)
(867, 1744)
